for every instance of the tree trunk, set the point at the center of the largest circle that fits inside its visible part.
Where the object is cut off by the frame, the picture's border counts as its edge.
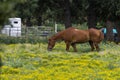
(39, 20)
(91, 15)
(67, 17)
(109, 28)
(28, 22)
(117, 26)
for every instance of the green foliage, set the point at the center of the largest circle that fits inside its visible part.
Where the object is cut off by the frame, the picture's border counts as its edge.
(40, 11)
(0, 62)
(14, 40)
(107, 9)
(26, 8)
(34, 62)
(7, 9)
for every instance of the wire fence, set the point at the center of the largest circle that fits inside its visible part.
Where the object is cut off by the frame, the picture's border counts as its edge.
(37, 32)
(26, 34)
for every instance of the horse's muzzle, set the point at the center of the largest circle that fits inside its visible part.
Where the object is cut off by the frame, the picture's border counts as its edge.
(49, 49)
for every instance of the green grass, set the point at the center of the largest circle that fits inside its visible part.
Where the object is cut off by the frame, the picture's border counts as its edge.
(34, 62)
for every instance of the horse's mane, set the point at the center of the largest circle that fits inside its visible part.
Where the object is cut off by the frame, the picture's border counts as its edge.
(60, 34)
(57, 35)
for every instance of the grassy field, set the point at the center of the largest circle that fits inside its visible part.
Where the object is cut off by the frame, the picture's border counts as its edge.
(34, 62)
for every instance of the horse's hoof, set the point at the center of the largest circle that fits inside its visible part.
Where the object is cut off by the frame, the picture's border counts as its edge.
(49, 49)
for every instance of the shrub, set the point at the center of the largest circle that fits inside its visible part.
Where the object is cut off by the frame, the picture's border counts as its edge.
(14, 40)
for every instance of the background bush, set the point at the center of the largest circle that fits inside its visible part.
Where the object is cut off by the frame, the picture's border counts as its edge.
(14, 40)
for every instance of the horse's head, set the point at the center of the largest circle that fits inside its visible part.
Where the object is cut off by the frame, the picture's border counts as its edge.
(51, 44)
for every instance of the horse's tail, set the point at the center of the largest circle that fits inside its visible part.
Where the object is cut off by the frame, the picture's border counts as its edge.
(101, 37)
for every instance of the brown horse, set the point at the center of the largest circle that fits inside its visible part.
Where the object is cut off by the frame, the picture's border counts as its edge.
(71, 36)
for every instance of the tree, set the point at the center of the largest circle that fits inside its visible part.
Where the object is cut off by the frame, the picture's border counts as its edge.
(117, 26)
(26, 10)
(67, 14)
(107, 11)
(68, 11)
(91, 14)
(62, 11)
(110, 13)
(43, 12)
(109, 34)
(6, 10)
(73, 11)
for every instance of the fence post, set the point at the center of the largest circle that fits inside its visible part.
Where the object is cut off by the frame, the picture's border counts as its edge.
(55, 27)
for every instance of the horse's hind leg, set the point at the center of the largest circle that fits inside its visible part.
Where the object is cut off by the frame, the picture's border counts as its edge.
(92, 45)
(97, 47)
(74, 47)
(67, 45)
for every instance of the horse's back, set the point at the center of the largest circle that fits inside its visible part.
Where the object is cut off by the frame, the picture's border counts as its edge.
(76, 35)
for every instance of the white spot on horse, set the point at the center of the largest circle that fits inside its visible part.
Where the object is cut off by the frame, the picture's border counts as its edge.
(76, 29)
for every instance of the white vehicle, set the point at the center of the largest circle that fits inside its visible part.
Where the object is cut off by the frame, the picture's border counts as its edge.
(14, 28)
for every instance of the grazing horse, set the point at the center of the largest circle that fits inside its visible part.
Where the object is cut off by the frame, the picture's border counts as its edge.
(71, 36)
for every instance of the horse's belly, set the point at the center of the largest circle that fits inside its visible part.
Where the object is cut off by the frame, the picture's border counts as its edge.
(81, 40)
(76, 37)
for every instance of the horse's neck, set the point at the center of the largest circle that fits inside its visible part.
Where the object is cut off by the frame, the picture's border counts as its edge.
(58, 36)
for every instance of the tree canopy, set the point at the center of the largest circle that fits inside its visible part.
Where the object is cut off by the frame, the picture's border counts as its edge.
(7, 9)
(36, 12)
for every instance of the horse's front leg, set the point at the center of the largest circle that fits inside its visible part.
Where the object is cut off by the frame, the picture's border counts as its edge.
(92, 45)
(67, 45)
(97, 47)
(74, 47)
